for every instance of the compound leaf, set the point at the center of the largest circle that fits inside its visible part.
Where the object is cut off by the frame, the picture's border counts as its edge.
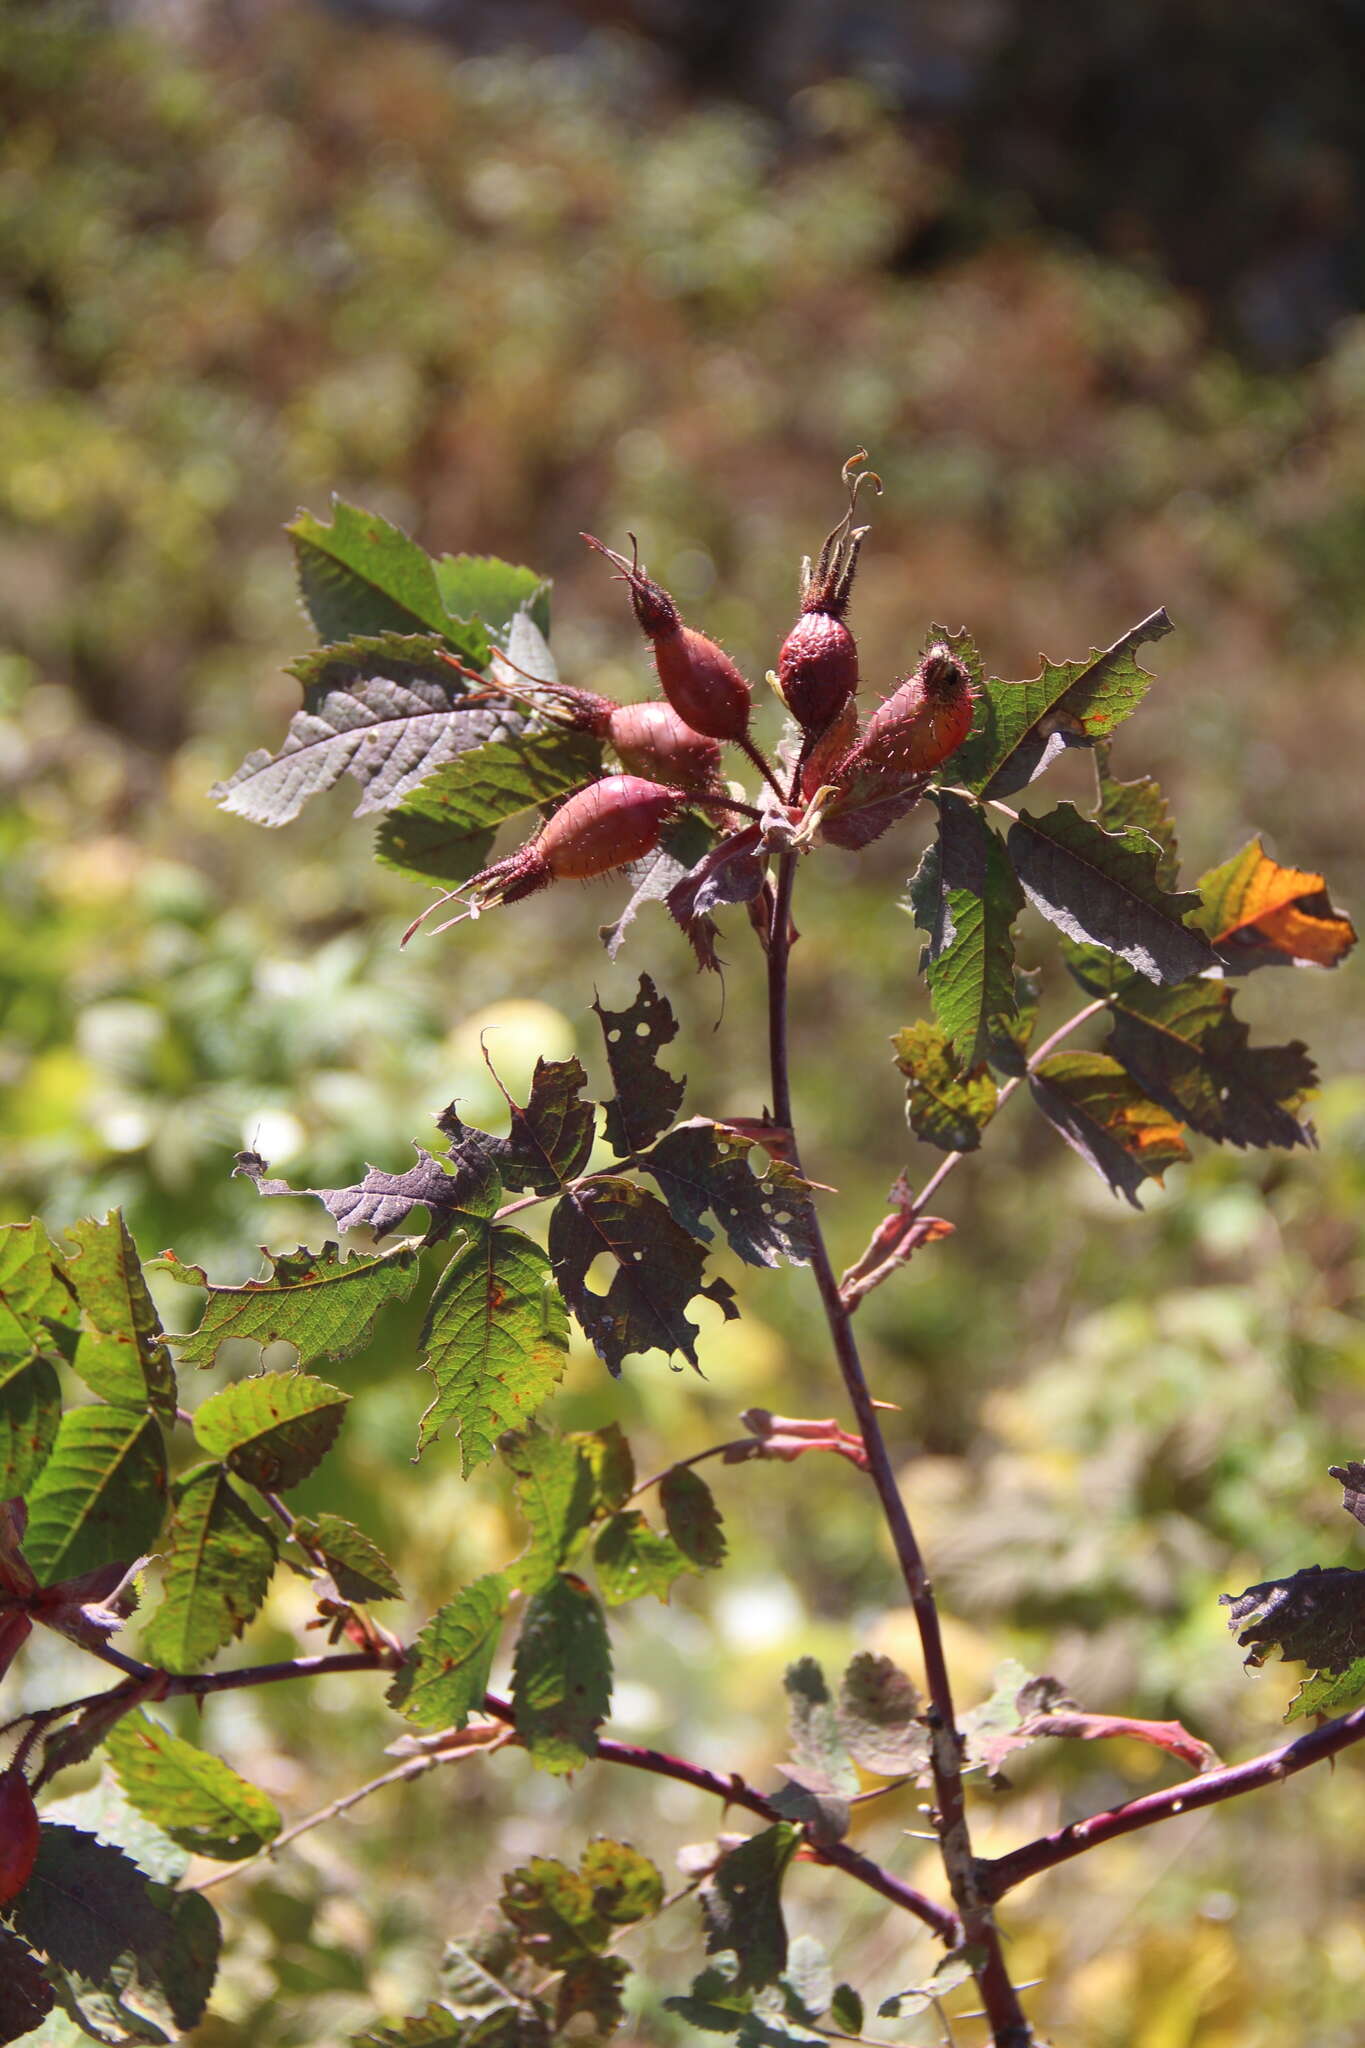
(496, 1336)
(561, 1674)
(101, 1496)
(272, 1431)
(444, 830)
(1102, 887)
(218, 1563)
(198, 1800)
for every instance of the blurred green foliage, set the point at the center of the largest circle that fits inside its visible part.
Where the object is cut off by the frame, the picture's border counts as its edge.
(501, 300)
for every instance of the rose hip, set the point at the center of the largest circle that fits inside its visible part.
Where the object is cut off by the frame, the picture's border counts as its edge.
(652, 741)
(817, 670)
(698, 678)
(18, 1834)
(921, 723)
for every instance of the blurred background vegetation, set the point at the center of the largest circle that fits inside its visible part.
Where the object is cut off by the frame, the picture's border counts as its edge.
(1090, 293)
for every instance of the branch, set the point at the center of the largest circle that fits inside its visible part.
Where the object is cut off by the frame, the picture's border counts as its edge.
(1000, 1874)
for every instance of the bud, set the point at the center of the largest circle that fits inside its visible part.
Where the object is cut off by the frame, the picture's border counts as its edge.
(652, 741)
(18, 1834)
(698, 678)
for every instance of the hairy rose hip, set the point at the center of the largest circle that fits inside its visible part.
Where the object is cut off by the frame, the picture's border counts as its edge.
(698, 678)
(921, 723)
(817, 669)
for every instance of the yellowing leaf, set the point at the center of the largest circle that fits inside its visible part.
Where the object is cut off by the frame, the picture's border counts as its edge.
(1259, 914)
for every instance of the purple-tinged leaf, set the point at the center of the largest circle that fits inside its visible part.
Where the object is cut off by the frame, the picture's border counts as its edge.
(198, 1800)
(445, 829)
(26, 1996)
(658, 1265)
(946, 1105)
(445, 1675)
(272, 1430)
(1107, 1120)
(1186, 1050)
(732, 872)
(766, 1218)
(1315, 1617)
(549, 1139)
(101, 1495)
(880, 1717)
(383, 1202)
(561, 1675)
(321, 1303)
(742, 1906)
(1351, 1479)
(1102, 888)
(965, 896)
(496, 1338)
(1021, 728)
(87, 1904)
(647, 1096)
(217, 1565)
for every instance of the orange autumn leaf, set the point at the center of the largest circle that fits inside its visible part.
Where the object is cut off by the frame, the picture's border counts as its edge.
(1260, 914)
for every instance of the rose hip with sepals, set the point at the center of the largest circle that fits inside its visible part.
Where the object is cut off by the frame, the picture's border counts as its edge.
(698, 678)
(817, 670)
(924, 720)
(649, 738)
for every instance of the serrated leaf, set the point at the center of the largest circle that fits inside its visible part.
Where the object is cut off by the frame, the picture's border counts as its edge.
(360, 1571)
(993, 1729)
(25, 1993)
(104, 1809)
(555, 1490)
(593, 1985)
(217, 1565)
(444, 830)
(553, 1911)
(1259, 914)
(198, 1800)
(692, 1517)
(434, 2028)
(880, 1717)
(1186, 1050)
(274, 1430)
(101, 1496)
(704, 1166)
(445, 1676)
(186, 1967)
(958, 1967)
(498, 594)
(361, 574)
(383, 1202)
(946, 1106)
(632, 1559)
(611, 1462)
(966, 897)
(561, 1675)
(1010, 1035)
(470, 1984)
(120, 1353)
(548, 1140)
(658, 1270)
(1021, 728)
(1102, 887)
(37, 1301)
(1107, 1120)
(819, 1755)
(86, 1904)
(30, 1414)
(1315, 1617)
(321, 1303)
(647, 1096)
(681, 845)
(496, 1337)
(626, 1886)
(1123, 806)
(1327, 1694)
(742, 1905)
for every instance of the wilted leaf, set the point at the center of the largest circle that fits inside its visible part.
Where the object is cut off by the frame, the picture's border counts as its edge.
(946, 1106)
(1351, 1478)
(819, 1754)
(561, 1675)
(732, 872)
(742, 1905)
(1315, 1617)
(766, 1217)
(1106, 1119)
(1259, 914)
(360, 1571)
(880, 1718)
(198, 1800)
(953, 1970)
(631, 1559)
(217, 1565)
(445, 1676)
(658, 1270)
(496, 1337)
(86, 1904)
(647, 1096)
(119, 1353)
(1000, 1724)
(273, 1430)
(692, 1517)
(966, 897)
(1185, 1048)
(1021, 728)
(322, 1303)
(593, 1985)
(808, 1981)
(1102, 887)
(383, 1202)
(101, 1496)
(444, 831)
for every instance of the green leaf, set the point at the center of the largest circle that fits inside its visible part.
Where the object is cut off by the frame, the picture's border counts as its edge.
(1021, 728)
(692, 1517)
(631, 1559)
(360, 1571)
(612, 1464)
(880, 1717)
(274, 1430)
(481, 587)
(658, 1270)
(561, 1675)
(30, 1413)
(199, 1801)
(946, 1106)
(1185, 1048)
(362, 575)
(846, 2010)
(555, 1489)
(766, 1218)
(25, 1993)
(86, 1904)
(188, 1964)
(1259, 914)
(445, 1676)
(626, 1886)
(434, 2028)
(553, 1911)
(966, 897)
(593, 1985)
(742, 1905)
(444, 831)
(119, 1353)
(217, 1566)
(818, 1750)
(647, 1096)
(1328, 1694)
(1011, 1034)
(1125, 806)
(549, 1140)
(101, 1496)
(321, 1303)
(37, 1301)
(1102, 887)
(1107, 1120)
